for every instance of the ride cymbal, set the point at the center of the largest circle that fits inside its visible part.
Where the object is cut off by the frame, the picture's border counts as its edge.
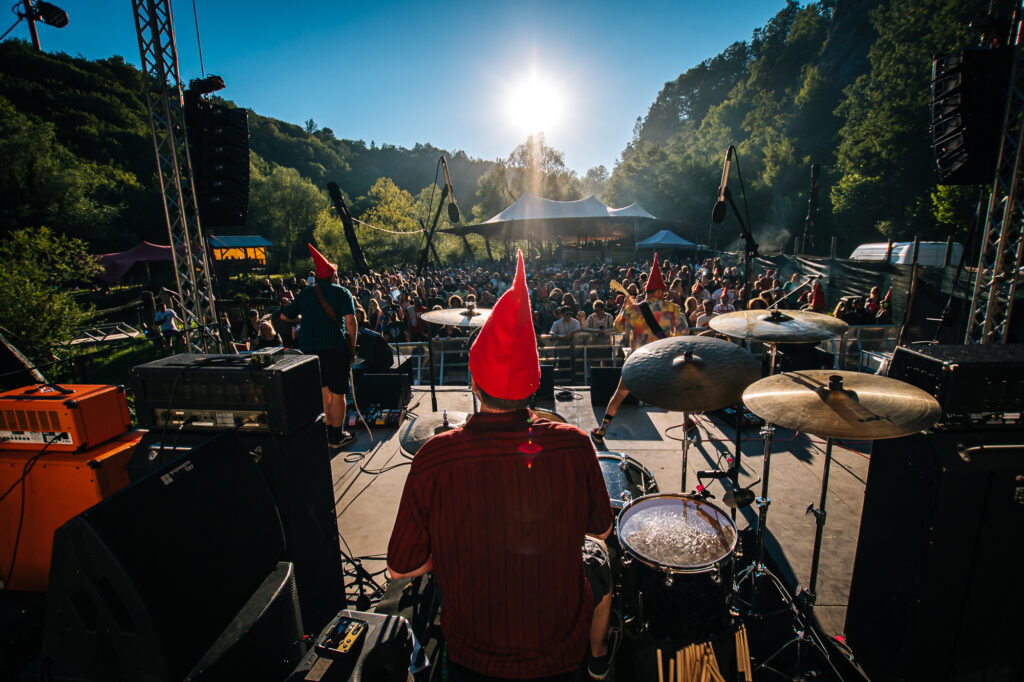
(840, 404)
(778, 326)
(690, 373)
(458, 317)
(424, 427)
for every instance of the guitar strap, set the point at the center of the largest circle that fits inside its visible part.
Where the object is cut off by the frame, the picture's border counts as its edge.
(651, 321)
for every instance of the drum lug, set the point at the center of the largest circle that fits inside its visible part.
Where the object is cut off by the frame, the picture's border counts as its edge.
(626, 559)
(670, 580)
(763, 502)
(716, 575)
(626, 496)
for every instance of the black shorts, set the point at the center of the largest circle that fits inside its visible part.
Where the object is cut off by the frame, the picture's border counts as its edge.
(334, 366)
(597, 567)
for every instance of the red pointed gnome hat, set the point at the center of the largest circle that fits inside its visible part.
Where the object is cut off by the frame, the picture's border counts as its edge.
(654, 280)
(324, 268)
(504, 359)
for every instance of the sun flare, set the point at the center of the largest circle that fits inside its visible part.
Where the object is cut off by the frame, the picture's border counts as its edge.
(534, 105)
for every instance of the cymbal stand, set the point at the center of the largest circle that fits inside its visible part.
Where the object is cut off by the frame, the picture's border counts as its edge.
(807, 597)
(756, 570)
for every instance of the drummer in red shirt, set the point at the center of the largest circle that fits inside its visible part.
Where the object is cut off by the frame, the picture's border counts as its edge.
(499, 510)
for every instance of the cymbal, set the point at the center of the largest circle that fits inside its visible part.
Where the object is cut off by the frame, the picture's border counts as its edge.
(459, 317)
(841, 404)
(424, 427)
(690, 373)
(778, 326)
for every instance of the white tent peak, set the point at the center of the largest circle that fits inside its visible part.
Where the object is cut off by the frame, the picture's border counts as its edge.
(531, 207)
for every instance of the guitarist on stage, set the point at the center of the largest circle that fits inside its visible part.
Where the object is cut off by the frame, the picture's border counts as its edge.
(654, 318)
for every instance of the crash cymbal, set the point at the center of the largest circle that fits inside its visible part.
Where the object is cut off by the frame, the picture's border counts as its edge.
(690, 373)
(424, 427)
(459, 317)
(840, 404)
(778, 326)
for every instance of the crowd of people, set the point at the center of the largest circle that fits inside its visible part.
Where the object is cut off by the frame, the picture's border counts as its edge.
(566, 299)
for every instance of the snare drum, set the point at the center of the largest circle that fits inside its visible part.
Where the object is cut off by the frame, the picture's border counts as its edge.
(625, 478)
(549, 415)
(677, 552)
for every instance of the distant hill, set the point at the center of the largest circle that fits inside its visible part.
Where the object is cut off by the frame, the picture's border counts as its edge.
(78, 153)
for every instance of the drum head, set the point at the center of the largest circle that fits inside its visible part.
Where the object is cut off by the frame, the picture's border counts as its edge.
(549, 415)
(676, 533)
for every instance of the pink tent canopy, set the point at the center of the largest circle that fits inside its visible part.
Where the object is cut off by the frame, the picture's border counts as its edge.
(115, 265)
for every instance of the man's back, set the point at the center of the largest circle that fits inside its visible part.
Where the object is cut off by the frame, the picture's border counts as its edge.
(504, 531)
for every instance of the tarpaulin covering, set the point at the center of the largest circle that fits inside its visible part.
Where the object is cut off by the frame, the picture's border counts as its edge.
(115, 265)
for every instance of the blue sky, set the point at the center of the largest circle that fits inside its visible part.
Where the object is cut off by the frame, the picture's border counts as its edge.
(408, 72)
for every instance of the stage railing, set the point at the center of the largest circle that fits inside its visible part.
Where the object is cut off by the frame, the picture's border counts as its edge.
(573, 361)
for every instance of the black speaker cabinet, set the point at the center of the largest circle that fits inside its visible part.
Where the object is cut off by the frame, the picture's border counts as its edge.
(297, 469)
(143, 583)
(389, 391)
(603, 382)
(936, 591)
(546, 390)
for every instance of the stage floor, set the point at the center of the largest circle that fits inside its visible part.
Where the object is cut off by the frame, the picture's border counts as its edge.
(368, 488)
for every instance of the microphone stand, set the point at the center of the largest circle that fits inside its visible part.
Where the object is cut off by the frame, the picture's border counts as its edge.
(749, 253)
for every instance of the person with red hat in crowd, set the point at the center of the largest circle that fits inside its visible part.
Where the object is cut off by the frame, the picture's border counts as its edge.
(654, 318)
(499, 510)
(328, 330)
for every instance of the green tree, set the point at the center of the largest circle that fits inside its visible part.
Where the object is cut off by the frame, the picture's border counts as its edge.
(284, 206)
(884, 159)
(37, 269)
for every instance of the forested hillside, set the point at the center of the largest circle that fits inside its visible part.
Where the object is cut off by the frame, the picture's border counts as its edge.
(79, 158)
(843, 84)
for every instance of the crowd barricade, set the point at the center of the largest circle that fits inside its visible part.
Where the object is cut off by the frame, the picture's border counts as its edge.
(865, 348)
(572, 361)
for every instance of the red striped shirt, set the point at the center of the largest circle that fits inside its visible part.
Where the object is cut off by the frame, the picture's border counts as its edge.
(504, 530)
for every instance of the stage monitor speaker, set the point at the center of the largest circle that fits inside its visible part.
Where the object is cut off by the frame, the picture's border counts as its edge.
(389, 391)
(264, 641)
(603, 382)
(546, 390)
(935, 593)
(297, 469)
(143, 583)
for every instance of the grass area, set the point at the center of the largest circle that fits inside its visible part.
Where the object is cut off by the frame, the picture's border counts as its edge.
(110, 365)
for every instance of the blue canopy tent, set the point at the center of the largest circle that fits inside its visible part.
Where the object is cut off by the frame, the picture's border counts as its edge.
(666, 239)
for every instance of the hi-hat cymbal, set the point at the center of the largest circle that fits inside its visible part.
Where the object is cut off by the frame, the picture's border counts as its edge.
(459, 317)
(424, 427)
(690, 373)
(778, 326)
(840, 404)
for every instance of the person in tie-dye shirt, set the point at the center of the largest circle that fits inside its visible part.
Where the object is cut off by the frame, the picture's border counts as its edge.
(669, 317)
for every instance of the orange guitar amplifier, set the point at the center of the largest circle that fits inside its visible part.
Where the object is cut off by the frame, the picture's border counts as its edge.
(58, 487)
(70, 418)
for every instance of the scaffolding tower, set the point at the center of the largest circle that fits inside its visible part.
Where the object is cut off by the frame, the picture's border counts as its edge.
(154, 25)
(1002, 239)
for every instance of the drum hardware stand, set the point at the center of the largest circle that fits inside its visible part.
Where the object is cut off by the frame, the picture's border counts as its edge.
(807, 597)
(757, 570)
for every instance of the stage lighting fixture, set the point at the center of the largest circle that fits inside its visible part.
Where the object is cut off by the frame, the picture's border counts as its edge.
(51, 15)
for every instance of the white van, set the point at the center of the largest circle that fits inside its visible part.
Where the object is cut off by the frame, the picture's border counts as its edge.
(928, 253)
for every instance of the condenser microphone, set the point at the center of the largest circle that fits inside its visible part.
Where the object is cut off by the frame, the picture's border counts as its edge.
(453, 210)
(718, 212)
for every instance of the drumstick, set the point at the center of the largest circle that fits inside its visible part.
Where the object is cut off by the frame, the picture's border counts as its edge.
(746, 654)
(739, 652)
(661, 675)
(672, 670)
(679, 665)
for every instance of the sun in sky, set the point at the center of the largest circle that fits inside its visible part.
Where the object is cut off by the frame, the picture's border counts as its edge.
(533, 105)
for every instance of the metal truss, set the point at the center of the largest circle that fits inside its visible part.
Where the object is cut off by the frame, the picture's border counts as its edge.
(999, 262)
(154, 25)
